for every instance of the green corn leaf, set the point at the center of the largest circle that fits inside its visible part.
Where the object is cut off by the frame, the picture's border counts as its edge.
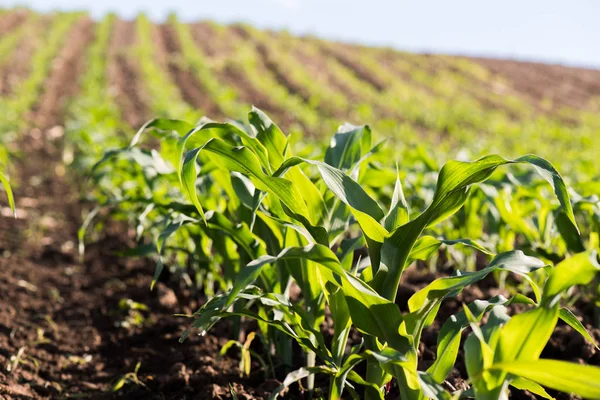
(244, 189)
(403, 367)
(399, 213)
(582, 380)
(364, 208)
(276, 144)
(240, 233)
(344, 187)
(371, 389)
(9, 193)
(341, 321)
(162, 126)
(242, 160)
(295, 376)
(424, 304)
(526, 384)
(579, 269)
(568, 232)
(568, 317)
(517, 341)
(449, 337)
(431, 388)
(246, 161)
(427, 245)
(452, 190)
(347, 145)
(514, 261)
(370, 312)
(269, 134)
(342, 373)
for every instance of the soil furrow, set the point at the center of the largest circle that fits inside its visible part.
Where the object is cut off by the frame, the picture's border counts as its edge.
(564, 86)
(191, 89)
(124, 76)
(12, 20)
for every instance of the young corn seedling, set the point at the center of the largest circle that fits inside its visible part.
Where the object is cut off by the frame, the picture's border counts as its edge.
(298, 219)
(4, 179)
(506, 351)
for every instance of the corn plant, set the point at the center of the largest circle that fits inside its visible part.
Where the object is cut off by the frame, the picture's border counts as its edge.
(505, 351)
(298, 221)
(4, 179)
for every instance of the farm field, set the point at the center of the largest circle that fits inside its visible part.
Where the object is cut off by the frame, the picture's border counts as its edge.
(318, 259)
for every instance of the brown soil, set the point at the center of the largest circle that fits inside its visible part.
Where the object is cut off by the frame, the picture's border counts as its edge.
(191, 89)
(12, 20)
(564, 86)
(124, 77)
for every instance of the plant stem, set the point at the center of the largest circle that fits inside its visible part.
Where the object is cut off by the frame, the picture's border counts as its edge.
(375, 373)
(310, 379)
(597, 303)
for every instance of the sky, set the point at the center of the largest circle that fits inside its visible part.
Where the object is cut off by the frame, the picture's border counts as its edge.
(566, 32)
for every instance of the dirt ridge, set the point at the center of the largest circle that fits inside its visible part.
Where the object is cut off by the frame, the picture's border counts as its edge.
(190, 87)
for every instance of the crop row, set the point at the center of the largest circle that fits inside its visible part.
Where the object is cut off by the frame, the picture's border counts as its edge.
(243, 220)
(301, 236)
(415, 98)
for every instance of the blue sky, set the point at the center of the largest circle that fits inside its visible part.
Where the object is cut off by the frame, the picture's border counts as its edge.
(554, 31)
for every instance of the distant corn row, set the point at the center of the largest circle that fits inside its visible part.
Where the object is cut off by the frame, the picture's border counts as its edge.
(415, 98)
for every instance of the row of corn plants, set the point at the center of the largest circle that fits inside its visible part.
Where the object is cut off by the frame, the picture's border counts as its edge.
(367, 104)
(276, 243)
(94, 122)
(318, 96)
(26, 93)
(465, 118)
(162, 91)
(231, 210)
(248, 61)
(12, 39)
(7, 45)
(19, 102)
(221, 93)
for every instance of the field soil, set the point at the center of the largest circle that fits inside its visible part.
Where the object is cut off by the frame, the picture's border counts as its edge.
(69, 327)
